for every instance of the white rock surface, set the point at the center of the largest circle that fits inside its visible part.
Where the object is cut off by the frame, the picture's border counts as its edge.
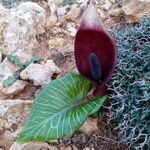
(15, 88)
(13, 112)
(0, 57)
(33, 146)
(135, 9)
(61, 11)
(107, 5)
(19, 27)
(7, 69)
(40, 74)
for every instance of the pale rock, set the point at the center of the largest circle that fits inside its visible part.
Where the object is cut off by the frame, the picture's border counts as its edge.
(61, 11)
(22, 55)
(51, 21)
(16, 87)
(101, 13)
(0, 57)
(7, 69)
(80, 1)
(56, 42)
(90, 126)
(1, 2)
(74, 13)
(20, 26)
(13, 112)
(135, 9)
(107, 5)
(40, 74)
(71, 28)
(33, 146)
(57, 2)
(116, 12)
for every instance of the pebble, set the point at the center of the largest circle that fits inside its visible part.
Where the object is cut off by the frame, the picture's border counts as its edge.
(61, 11)
(107, 5)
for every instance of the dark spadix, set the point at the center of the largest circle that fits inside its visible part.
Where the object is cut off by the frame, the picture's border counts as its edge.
(95, 50)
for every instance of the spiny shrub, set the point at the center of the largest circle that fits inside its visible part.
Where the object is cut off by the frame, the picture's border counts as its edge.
(130, 85)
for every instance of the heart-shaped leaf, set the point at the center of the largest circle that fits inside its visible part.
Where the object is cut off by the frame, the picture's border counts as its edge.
(59, 109)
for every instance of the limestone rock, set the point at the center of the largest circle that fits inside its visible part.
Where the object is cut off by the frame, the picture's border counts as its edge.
(33, 146)
(135, 9)
(13, 112)
(61, 11)
(107, 5)
(40, 74)
(7, 69)
(56, 42)
(51, 21)
(73, 13)
(0, 57)
(16, 87)
(20, 26)
(90, 126)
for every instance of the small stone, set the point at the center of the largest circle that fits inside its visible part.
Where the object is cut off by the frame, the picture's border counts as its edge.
(51, 21)
(56, 42)
(68, 148)
(90, 126)
(0, 57)
(7, 69)
(33, 146)
(74, 13)
(16, 87)
(61, 11)
(40, 74)
(116, 12)
(107, 5)
(135, 9)
(87, 148)
(74, 148)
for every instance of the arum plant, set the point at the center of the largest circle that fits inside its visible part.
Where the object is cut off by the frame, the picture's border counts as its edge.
(62, 107)
(95, 51)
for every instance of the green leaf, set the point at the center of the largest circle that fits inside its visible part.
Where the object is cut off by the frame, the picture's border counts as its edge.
(60, 109)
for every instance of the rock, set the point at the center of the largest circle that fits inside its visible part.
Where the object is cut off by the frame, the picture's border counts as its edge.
(57, 2)
(22, 55)
(13, 113)
(61, 11)
(56, 43)
(40, 74)
(71, 28)
(90, 126)
(116, 12)
(20, 26)
(7, 69)
(15, 88)
(33, 146)
(74, 13)
(87, 148)
(135, 9)
(107, 5)
(0, 57)
(51, 21)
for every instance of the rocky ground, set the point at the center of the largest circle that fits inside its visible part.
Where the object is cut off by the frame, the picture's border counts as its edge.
(47, 29)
